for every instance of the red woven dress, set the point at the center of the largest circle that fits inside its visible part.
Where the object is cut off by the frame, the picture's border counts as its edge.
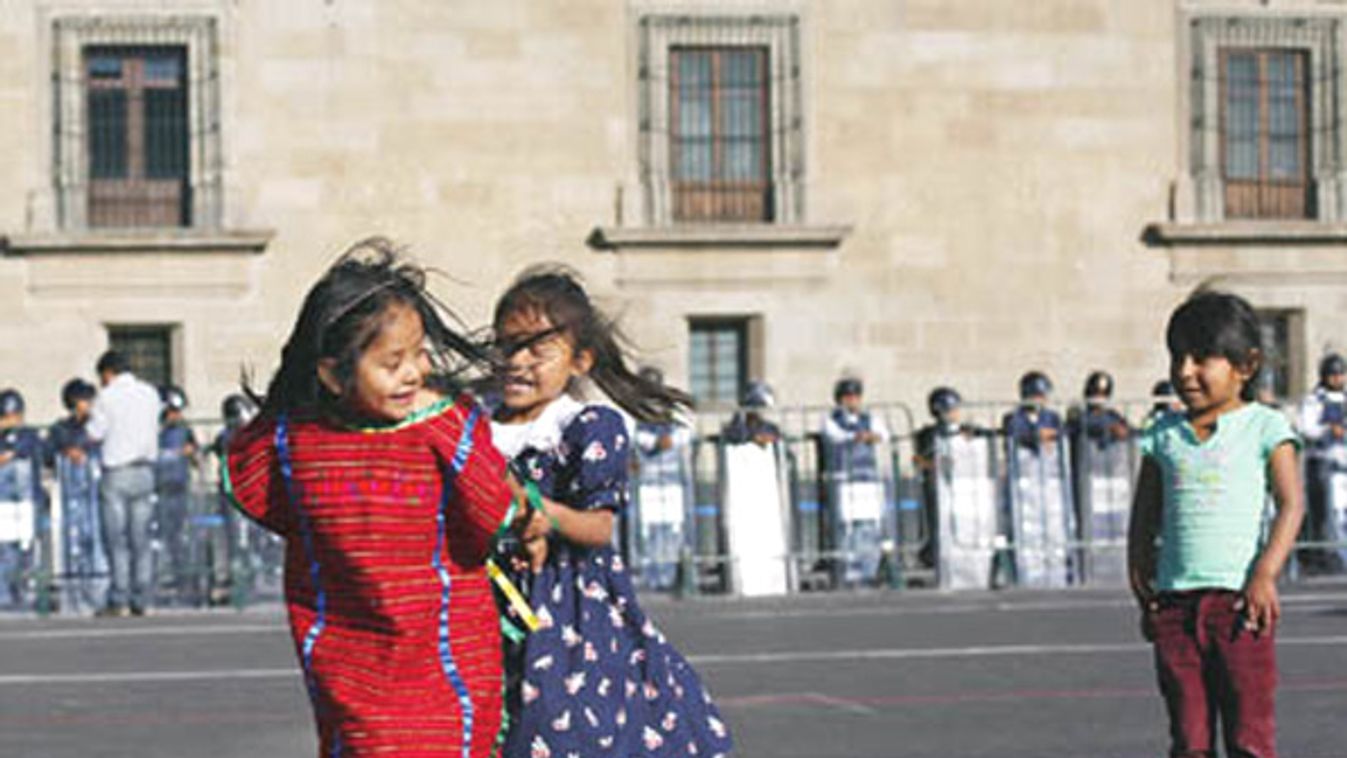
(386, 533)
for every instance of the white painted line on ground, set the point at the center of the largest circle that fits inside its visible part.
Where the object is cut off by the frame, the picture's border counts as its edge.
(130, 677)
(982, 651)
(139, 631)
(800, 656)
(1305, 603)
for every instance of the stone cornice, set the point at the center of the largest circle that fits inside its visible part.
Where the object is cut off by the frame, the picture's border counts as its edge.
(718, 236)
(237, 241)
(1246, 233)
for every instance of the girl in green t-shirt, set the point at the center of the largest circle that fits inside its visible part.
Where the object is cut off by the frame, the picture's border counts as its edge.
(1208, 591)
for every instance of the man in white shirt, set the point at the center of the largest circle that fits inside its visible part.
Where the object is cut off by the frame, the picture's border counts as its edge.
(125, 418)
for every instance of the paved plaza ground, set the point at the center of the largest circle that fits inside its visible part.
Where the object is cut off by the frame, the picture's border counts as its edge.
(1017, 674)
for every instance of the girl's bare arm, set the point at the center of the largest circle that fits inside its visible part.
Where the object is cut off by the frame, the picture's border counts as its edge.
(1143, 530)
(1260, 593)
(593, 528)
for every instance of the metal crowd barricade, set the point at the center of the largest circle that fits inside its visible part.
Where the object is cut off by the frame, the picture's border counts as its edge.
(1042, 513)
(865, 527)
(1321, 549)
(201, 551)
(1105, 476)
(80, 564)
(659, 522)
(24, 535)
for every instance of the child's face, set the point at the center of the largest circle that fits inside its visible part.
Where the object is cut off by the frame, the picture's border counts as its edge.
(172, 416)
(542, 367)
(952, 416)
(11, 420)
(1208, 384)
(852, 402)
(81, 409)
(390, 372)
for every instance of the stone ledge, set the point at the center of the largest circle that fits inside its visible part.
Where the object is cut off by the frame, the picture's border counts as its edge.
(1246, 232)
(246, 241)
(718, 236)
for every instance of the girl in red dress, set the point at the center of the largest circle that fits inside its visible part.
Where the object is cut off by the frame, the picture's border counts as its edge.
(389, 492)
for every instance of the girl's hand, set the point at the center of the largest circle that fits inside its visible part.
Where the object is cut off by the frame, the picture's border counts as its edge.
(1261, 605)
(534, 526)
(1148, 612)
(536, 551)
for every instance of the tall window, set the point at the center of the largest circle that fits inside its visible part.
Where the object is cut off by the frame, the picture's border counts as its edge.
(718, 134)
(1265, 133)
(721, 119)
(137, 136)
(1266, 117)
(719, 360)
(149, 350)
(137, 122)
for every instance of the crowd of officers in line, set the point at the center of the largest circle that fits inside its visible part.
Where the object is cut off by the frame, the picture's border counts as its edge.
(850, 435)
(67, 452)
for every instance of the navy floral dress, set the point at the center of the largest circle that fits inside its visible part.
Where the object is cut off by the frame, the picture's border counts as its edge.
(598, 678)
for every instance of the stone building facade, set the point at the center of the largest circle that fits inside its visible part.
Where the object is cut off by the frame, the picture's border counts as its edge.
(915, 191)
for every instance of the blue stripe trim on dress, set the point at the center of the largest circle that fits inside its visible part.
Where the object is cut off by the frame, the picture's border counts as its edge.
(315, 574)
(446, 652)
(464, 448)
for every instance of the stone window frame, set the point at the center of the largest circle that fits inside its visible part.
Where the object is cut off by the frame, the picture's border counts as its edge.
(1321, 38)
(199, 35)
(780, 34)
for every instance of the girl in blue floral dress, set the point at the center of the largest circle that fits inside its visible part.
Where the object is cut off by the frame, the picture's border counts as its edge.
(596, 678)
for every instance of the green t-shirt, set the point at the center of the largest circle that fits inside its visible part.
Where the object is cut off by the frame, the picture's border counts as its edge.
(1211, 525)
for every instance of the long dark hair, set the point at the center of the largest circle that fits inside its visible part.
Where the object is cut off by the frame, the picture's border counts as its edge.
(1211, 323)
(344, 313)
(555, 291)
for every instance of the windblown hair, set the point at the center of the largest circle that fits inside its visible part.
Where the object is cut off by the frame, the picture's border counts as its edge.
(556, 292)
(345, 312)
(1211, 323)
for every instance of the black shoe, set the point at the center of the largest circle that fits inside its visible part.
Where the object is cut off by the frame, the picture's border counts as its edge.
(138, 610)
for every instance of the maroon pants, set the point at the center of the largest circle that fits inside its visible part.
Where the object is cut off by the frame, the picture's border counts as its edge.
(1207, 664)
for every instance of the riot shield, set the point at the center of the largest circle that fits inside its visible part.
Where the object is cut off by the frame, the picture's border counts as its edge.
(1105, 487)
(755, 507)
(966, 511)
(1042, 517)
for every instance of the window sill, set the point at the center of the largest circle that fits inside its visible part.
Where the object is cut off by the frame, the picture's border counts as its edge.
(1246, 232)
(718, 236)
(235, 241)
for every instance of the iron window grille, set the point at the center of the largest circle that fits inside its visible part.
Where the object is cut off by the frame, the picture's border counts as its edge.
(721, 122)
(148, 350)
(1266, 138)
(137, 123)
(718, 360)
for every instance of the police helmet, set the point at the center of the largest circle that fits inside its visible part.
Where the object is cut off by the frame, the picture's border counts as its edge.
(759, 395)
(847, 386)
(942, 400)
(76, 390)
(1098, 384)
(11, 402)
(1035, 384)
(174, 398)
(237, 409)
(1163, 390)
(1331, 365)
